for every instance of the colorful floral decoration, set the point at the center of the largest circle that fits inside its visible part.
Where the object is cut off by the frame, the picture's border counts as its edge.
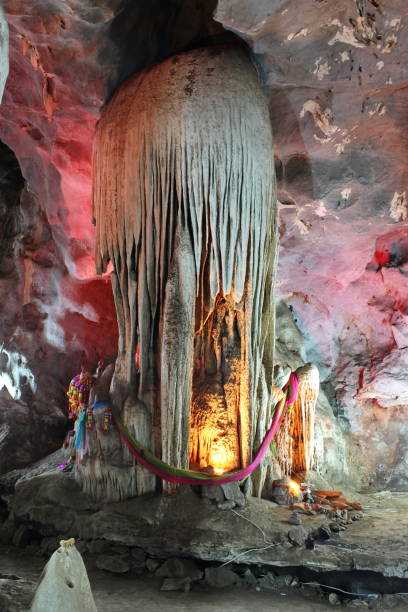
(107, 420)
(89, 418)
(78, 393)
(83, 414)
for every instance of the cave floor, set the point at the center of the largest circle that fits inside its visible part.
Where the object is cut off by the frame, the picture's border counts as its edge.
(189, 525)
(20, 573)
(258, 533)
(114, 593)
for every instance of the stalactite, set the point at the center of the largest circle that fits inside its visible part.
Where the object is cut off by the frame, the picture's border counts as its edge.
(295, 441)
(184, 203)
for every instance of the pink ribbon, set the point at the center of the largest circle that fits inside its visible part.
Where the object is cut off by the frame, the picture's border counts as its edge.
(235, 476)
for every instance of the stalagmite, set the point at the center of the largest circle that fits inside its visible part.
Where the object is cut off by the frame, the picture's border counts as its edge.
(295, 441)
(64, 584)
(184, 205)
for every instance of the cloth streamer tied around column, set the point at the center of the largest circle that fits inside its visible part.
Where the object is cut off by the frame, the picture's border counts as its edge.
(189, 477)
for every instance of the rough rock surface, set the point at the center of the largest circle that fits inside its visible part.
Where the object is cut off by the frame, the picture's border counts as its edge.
(220, 577)
(180, 568)
(297, 535)
(113, 563)
(335, 74)
(194, 527)
(4, 60)
(27, 432)
(52, 499)
(110, 593)
(336, 77)
(233, 493)
(64, 584)
(34, 365)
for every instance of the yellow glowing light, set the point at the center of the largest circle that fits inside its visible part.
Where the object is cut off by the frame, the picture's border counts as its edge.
(294, 488)
(218, 471)
(218, 460)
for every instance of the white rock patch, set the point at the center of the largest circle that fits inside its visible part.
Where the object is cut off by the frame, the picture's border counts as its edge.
(399, 206)
(15, 373)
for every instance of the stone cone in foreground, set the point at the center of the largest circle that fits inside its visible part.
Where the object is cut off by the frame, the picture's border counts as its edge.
(64, 584)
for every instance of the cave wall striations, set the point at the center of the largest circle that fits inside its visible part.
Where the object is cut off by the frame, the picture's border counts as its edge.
(337, 81)
(184, 202)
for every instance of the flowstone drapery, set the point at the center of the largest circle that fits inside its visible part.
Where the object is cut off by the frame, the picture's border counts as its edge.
(184, 204)
(295, 442)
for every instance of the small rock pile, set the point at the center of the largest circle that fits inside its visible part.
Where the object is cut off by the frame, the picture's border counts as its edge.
(325, 501)
(225, 496)
(331, 505)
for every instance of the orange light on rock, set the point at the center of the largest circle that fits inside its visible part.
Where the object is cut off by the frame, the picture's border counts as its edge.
(294, 488)
(214, 433)
(218, 460)
(218, 471)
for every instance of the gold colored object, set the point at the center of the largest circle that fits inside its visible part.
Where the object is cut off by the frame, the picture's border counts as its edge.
(69, 542)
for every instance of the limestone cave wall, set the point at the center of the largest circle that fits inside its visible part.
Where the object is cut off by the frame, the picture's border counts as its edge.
(336, 80)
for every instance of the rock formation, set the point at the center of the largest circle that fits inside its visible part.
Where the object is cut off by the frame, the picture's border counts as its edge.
(295, 441)
(64, 584)
(4, 59)
(184, 210)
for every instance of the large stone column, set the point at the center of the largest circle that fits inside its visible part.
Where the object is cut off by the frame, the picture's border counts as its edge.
(185, 210)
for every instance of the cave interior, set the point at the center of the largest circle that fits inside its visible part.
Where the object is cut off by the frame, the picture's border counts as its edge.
(203, 212)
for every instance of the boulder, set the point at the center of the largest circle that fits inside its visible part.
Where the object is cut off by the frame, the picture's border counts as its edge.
(233, 493)
(180, 568)
(113, 563)
(249, 579)
(268, 582)
(295, 519)
(45, 464)
(52, 500)
(220, 577)
(213, 492)
(297, 535)
(334, 599)
(284, 580)
(26, 435)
